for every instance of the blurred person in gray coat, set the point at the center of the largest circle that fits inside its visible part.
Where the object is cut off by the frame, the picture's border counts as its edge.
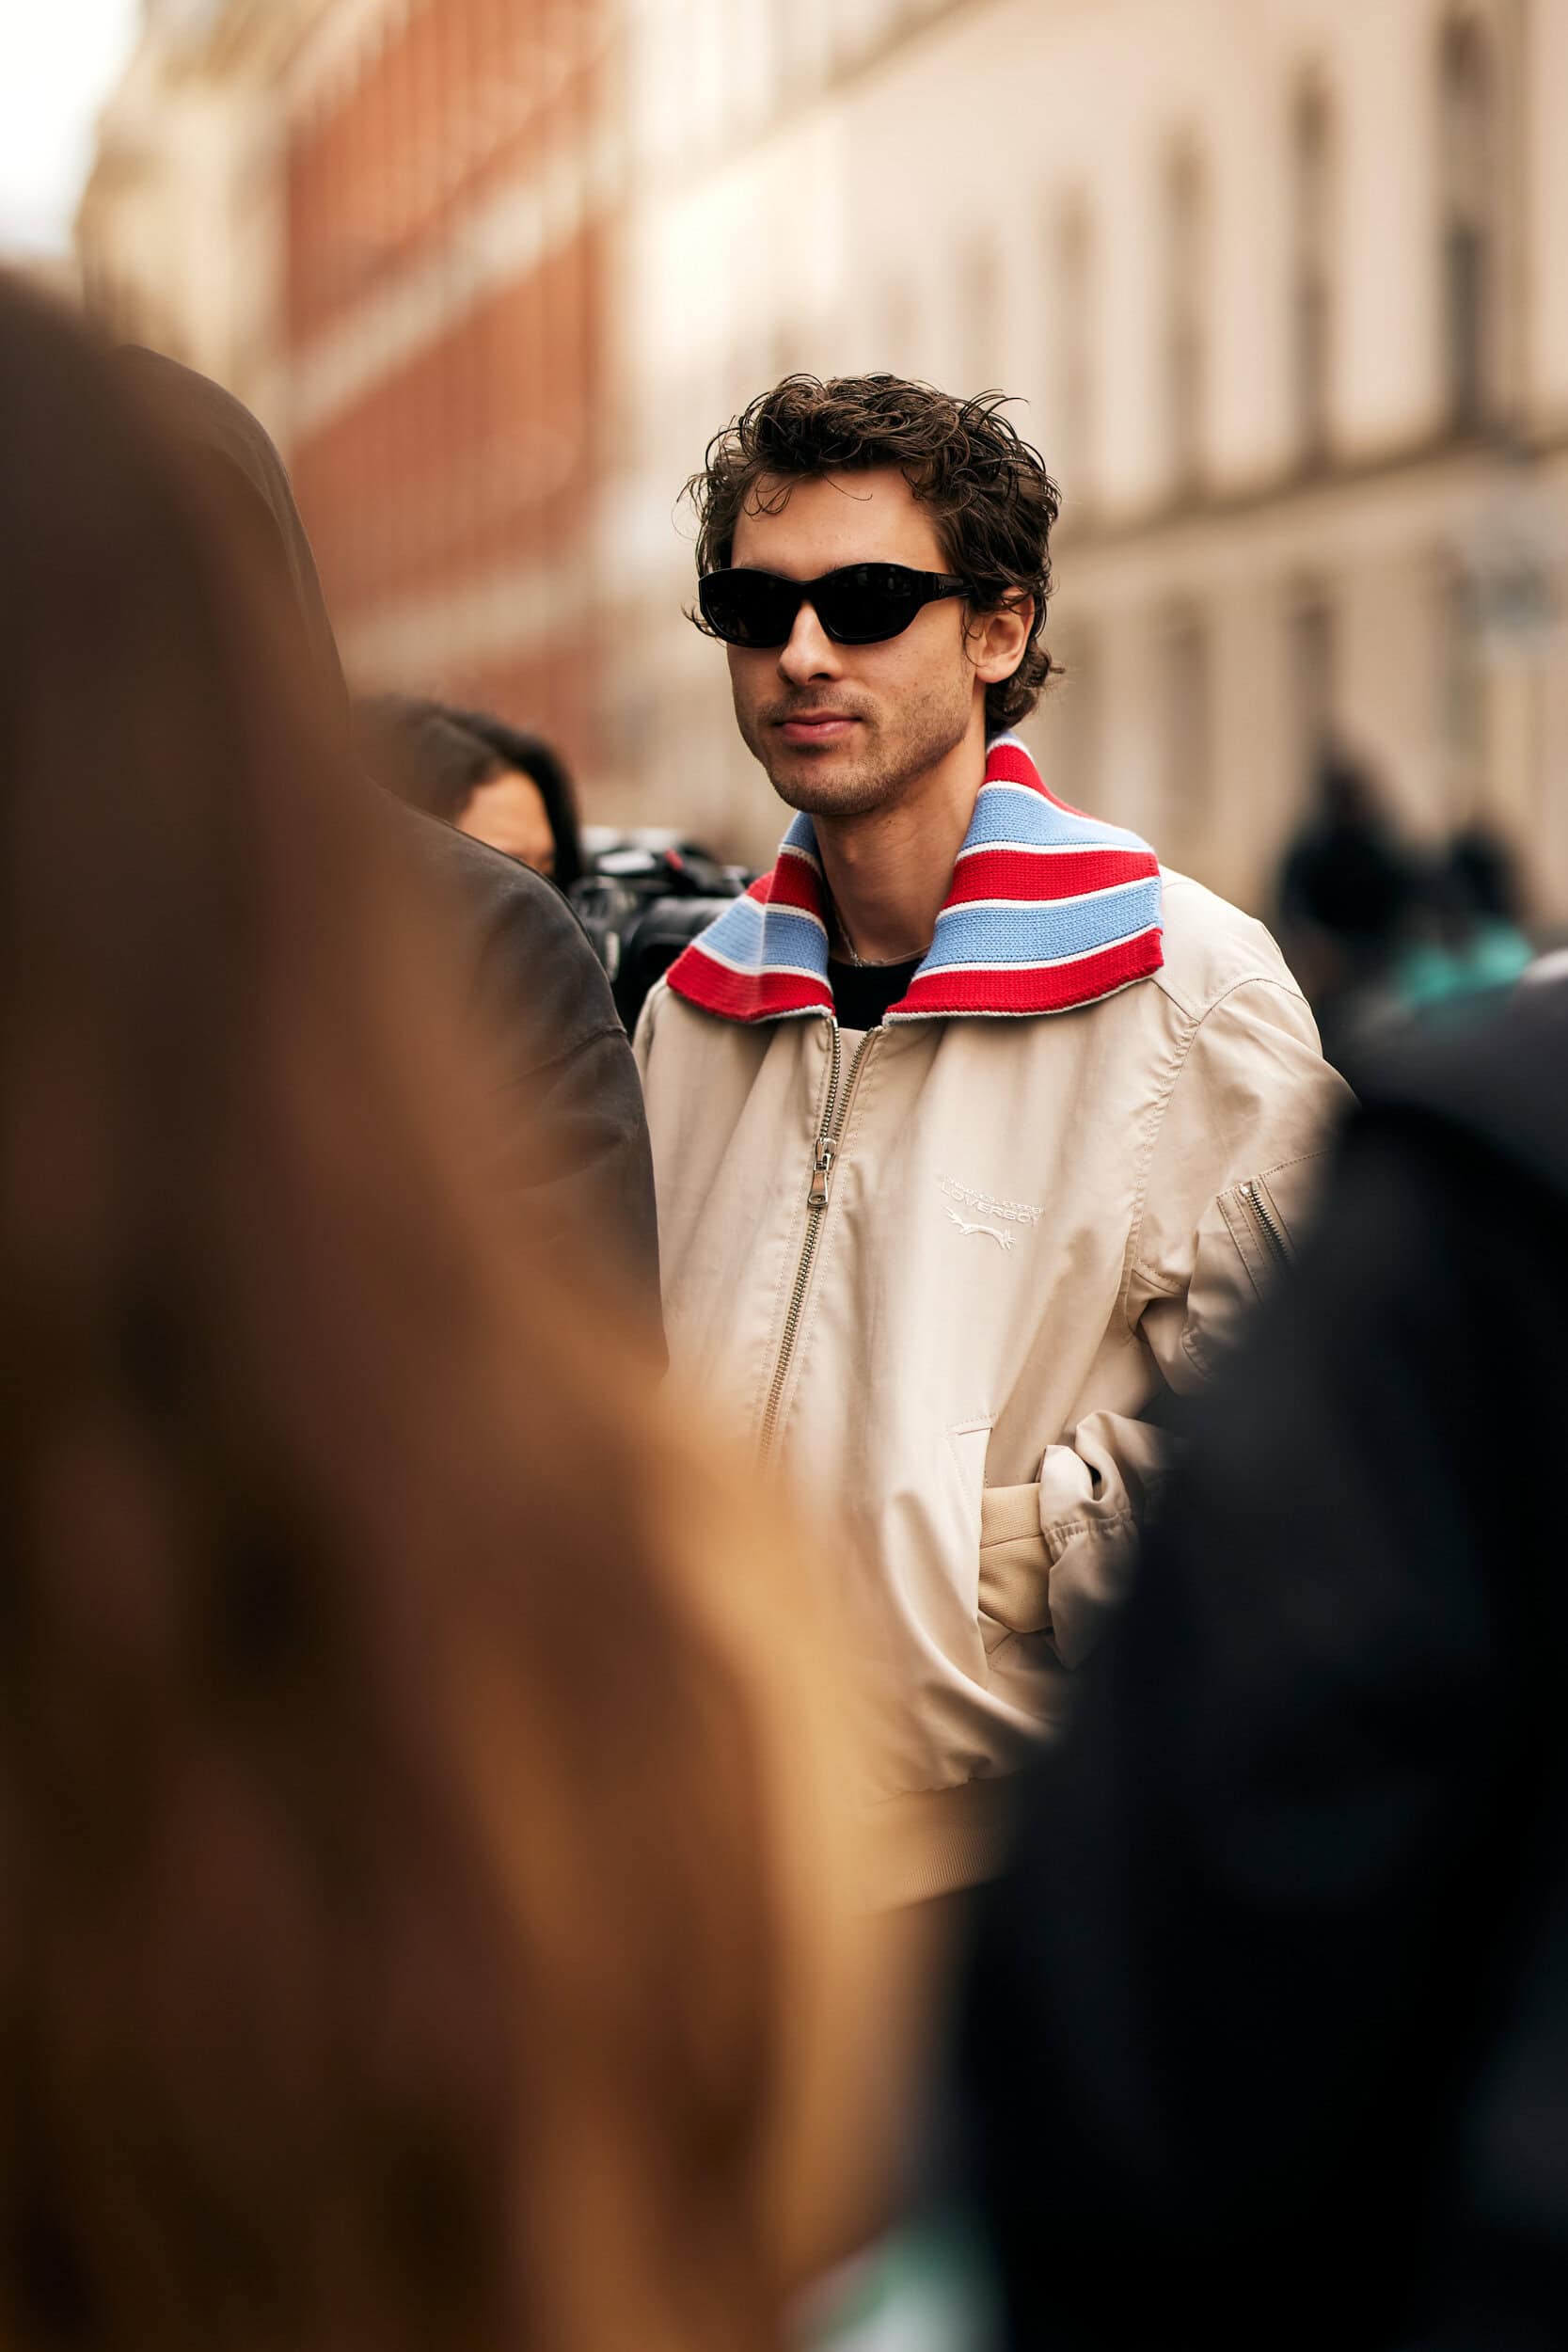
(579, 1158)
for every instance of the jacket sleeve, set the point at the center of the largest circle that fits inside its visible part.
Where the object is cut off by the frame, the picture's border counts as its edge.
(589, 1179)
(579, 1159)
(643, 1040)
(1251, 1107)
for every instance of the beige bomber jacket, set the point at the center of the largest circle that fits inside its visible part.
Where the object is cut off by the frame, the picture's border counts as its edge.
(1031, 1229)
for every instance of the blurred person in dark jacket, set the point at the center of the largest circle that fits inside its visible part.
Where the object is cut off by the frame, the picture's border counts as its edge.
(1347, 890)
(422, 1923)
(1268, 2028)
(474, 771)
(575, 1147)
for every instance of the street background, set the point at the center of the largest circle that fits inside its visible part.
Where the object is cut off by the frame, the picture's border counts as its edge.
(1279, 284)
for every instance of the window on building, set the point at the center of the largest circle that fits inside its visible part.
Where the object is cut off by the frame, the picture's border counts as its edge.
(980, 307)
(805, 37)
(895, 331)
(858, 26)
(1186, 702)
(1469, 164)
(1313, 683)
(1069, 369)
(788, 350)
(1313, 238)
(749, 97)
(1187, 254)
(1071, 722)
(1461, 696)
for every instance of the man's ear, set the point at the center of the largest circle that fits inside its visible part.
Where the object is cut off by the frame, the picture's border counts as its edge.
(998, 639)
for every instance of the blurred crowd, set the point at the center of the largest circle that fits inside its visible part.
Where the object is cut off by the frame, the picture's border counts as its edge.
(492, 1856)
(1385, 936)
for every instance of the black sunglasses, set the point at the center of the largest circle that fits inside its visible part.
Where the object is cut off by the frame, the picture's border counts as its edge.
(857, 605)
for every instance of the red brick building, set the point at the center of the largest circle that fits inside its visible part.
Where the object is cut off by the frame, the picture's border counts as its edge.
(450, 175)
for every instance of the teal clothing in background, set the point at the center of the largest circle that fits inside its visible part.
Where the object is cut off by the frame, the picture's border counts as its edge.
(1435, 977)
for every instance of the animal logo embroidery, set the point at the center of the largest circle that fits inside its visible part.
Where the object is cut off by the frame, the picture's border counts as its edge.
(984, 1206)
(1003, 1240)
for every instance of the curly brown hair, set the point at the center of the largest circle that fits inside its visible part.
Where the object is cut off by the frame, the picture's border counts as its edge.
(988, 489)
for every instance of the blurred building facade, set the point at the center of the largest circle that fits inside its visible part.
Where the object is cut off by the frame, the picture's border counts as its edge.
(452, 180)
(1275, 280)
(384, 223)
(181, 226)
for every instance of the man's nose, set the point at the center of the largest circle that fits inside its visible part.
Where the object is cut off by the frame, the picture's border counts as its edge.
(810, 651)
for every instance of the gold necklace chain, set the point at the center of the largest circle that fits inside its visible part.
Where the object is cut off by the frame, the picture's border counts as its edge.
(853, 955)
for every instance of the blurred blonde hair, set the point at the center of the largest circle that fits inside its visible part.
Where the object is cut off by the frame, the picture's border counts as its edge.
(421, 1913)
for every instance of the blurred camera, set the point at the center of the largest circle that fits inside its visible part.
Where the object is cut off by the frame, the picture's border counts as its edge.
(646, 897)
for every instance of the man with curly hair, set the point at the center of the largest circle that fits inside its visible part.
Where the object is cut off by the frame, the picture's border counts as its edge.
(973, 1130)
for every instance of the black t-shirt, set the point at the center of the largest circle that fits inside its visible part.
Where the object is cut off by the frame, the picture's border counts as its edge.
(863, 991)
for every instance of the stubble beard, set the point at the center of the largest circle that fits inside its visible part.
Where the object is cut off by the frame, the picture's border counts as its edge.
(878, 777)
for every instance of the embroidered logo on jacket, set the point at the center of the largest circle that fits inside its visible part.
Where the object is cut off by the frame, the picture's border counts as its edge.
(1003, 1241)
(985, 1204)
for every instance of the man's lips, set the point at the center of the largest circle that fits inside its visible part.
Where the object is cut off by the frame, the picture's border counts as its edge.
(816, 726)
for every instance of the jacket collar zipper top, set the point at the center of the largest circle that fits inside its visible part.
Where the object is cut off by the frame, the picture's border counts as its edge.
(830, 1136)
(1048, 911)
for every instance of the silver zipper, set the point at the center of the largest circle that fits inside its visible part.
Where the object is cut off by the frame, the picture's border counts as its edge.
(1267, 1224)
(830, 1135)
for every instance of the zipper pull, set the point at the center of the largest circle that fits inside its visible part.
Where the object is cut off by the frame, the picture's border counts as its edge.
(821, 1173)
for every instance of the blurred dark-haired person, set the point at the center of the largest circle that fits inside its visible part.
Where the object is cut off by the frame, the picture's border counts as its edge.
(1268, 2027)
(574, 1149)
(474, 771)
(1349, 891)
(418, 1907)
(972, 1128)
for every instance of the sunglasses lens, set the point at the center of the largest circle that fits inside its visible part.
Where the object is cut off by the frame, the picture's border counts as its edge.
(859, 605)
(866, 603)
(748, 608)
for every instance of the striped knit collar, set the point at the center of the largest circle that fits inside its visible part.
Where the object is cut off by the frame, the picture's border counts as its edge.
(1048, 910)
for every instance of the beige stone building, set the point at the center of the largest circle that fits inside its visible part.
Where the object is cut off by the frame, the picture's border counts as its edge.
(181, 225)
(1281, 286)
(1278, 282)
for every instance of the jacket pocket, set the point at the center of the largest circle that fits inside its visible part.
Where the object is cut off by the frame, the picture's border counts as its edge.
(1015, 1565)
(1245, 1243)
(1258, 1226)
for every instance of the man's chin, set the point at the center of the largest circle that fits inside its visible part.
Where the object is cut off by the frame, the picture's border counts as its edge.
(823, 787)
